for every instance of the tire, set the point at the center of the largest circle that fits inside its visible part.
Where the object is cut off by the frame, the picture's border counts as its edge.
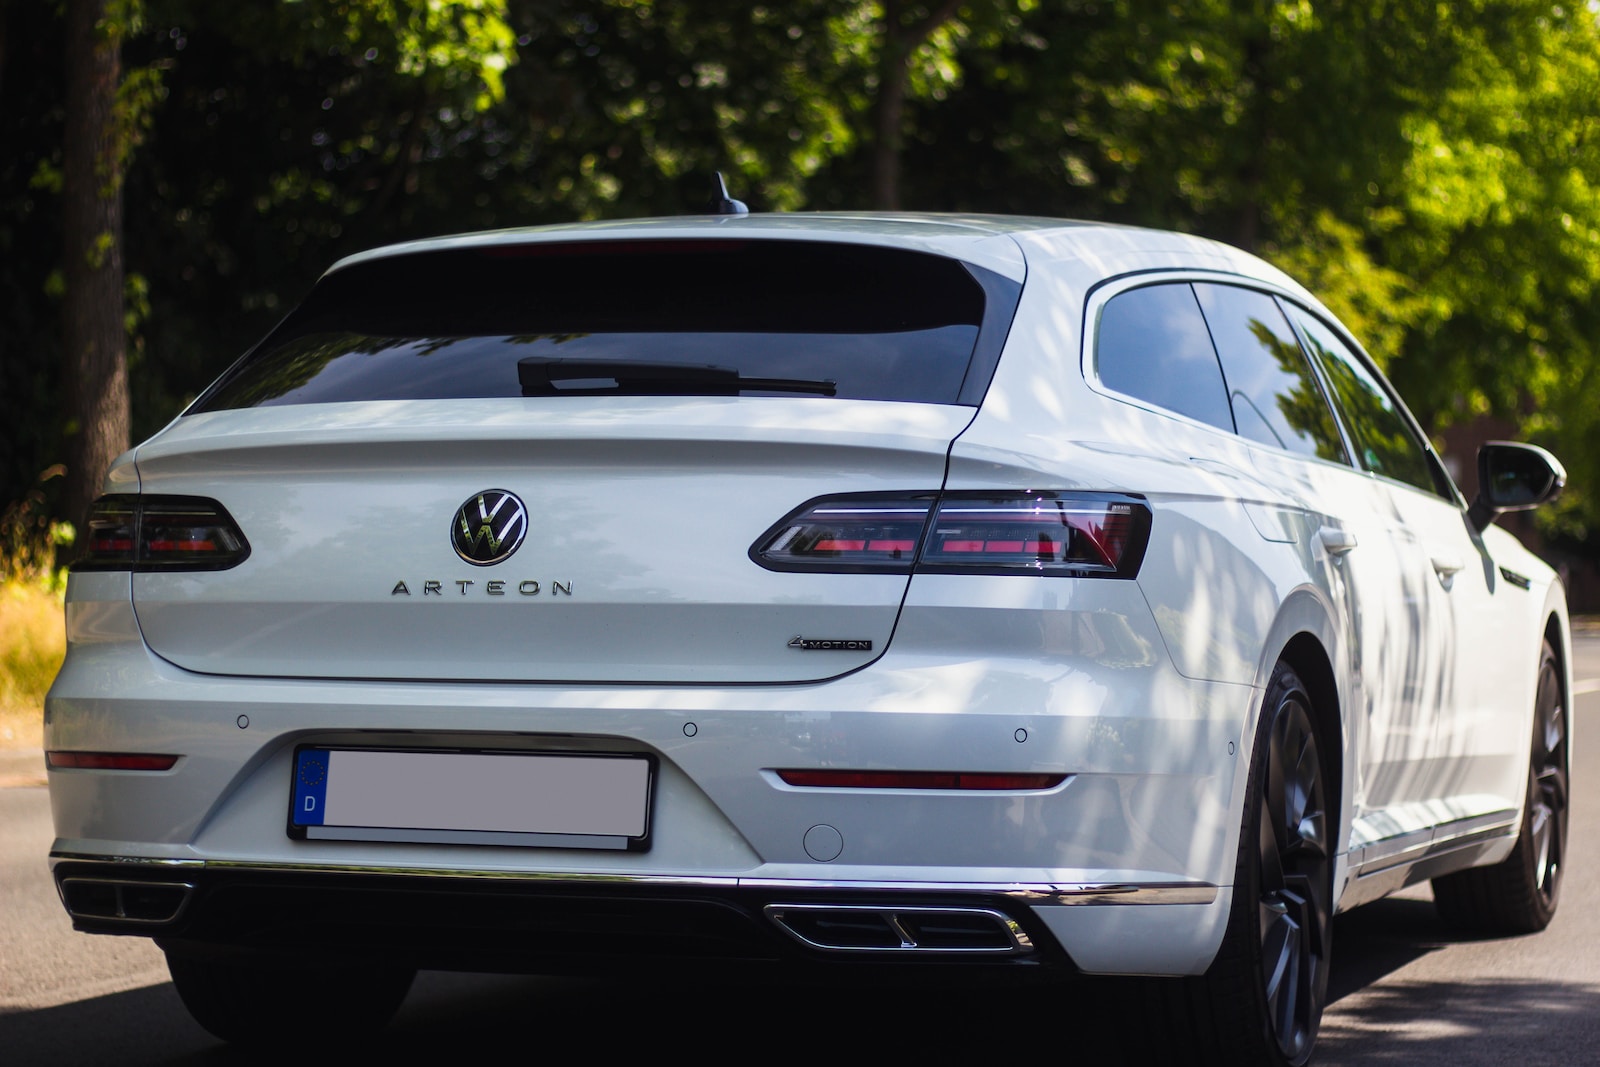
(1261, 1001)
(1519, 895)
(247, 1001)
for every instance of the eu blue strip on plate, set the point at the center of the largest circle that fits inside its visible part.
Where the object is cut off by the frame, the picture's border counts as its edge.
(310, 786)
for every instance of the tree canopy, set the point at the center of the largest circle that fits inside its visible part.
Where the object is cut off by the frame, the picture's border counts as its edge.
(1429, 169)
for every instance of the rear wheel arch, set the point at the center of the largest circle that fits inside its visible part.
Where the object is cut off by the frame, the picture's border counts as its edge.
(1307, 657)
(1306, 637)
(1556, 634)
(1260, 1002)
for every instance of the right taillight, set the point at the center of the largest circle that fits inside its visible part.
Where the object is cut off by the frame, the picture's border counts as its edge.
(1076, 534)
(130, 532)
(1087, 535)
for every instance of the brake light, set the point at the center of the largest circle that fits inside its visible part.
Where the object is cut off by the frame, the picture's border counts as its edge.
(1069, 534)
(129, 532)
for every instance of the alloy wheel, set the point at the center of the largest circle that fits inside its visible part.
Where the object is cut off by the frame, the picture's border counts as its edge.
(1294, 879)
(1547, 800)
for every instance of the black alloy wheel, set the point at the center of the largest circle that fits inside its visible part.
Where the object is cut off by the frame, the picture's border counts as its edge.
(1547, 787)
(1519, 894)
(1294, 875)
(1260, 1002)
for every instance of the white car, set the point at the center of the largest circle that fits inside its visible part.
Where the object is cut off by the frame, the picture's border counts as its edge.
(836, 590)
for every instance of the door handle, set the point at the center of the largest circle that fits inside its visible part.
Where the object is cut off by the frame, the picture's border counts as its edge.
(1446, 567)
(1335, 540)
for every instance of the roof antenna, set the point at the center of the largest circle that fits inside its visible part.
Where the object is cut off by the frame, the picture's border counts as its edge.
(721, 203)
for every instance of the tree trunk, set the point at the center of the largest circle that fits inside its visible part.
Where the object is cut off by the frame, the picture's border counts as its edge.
(1251, 176)
(95, 370)
(900, 40)
(889, 114)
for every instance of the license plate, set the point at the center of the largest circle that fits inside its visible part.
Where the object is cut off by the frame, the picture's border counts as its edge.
(537, 799)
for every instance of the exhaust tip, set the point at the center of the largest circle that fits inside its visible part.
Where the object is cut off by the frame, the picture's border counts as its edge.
(109, 900)
(880, 928)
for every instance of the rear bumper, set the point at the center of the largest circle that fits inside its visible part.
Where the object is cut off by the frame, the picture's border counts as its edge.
(1152, 763)
(468, 920)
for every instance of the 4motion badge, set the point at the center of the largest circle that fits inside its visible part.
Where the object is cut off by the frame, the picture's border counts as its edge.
(831, 644)
(489, 527)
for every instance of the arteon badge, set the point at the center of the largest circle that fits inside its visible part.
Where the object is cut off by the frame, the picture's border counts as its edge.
(489, 527)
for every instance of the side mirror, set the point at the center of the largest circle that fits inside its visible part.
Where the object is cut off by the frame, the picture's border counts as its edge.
(1513, 477)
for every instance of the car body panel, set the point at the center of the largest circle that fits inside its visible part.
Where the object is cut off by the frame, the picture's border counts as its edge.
(640, 514)
(1139, 696)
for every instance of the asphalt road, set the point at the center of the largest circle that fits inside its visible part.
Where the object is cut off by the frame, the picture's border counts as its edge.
(1406, 989)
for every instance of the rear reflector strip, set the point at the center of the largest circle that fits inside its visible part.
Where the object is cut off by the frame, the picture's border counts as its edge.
(989, 780)
(109, 761)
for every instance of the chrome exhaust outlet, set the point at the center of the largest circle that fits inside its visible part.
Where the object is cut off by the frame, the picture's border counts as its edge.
(882, 928)
(102, 900)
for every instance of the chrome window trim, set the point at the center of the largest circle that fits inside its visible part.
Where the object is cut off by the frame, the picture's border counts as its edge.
(1103, 293)
(1370, 365)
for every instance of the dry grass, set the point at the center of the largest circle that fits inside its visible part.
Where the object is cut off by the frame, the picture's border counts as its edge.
(32, 642)
(33, 636)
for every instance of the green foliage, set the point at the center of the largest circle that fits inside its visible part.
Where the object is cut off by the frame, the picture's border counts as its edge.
(30, 540)
(1431, 170)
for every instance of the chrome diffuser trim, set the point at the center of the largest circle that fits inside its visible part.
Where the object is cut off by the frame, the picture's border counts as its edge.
(891, 916)
(1029, 892)
(185, 891)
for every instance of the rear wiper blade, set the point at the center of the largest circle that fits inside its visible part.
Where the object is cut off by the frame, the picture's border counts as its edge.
(543, 377)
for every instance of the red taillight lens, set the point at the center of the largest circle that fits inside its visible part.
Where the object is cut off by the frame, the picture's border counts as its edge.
(109, 761)
(161, 533)
(990, 780)
(113, 532)
(870, 532)
(1083, 535)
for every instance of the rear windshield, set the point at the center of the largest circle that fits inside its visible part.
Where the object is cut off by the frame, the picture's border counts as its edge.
(705, 317)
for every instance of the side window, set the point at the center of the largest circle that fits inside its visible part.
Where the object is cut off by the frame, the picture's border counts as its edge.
(1153, 345)
(1275, 396)
(1384, 441)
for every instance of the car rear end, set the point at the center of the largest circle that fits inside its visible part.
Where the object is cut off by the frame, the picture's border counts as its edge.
(532, 600)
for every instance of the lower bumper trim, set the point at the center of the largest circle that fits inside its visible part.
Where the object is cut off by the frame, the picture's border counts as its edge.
(1097, 893)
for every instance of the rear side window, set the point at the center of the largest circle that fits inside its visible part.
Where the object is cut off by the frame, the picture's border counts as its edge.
(1382, 437)
(1152, 344)
(701, 317)
(1275, 396)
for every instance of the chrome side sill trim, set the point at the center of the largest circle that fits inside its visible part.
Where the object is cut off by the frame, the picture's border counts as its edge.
(1414, 847)
(1104, 893)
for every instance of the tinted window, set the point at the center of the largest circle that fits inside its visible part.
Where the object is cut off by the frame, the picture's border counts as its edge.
(1384, 441)
(1275, 396)
(1153, 345)
(865, 322)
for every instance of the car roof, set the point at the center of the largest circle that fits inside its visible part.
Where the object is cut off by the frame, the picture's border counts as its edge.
(1002, 243)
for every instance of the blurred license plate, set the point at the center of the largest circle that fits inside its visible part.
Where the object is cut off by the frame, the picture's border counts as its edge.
(472, 798)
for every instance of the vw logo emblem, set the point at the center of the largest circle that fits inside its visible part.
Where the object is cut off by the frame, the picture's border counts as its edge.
(489, 527)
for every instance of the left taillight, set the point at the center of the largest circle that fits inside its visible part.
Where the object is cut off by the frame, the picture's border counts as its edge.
(1070, 534)
(133, 532)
